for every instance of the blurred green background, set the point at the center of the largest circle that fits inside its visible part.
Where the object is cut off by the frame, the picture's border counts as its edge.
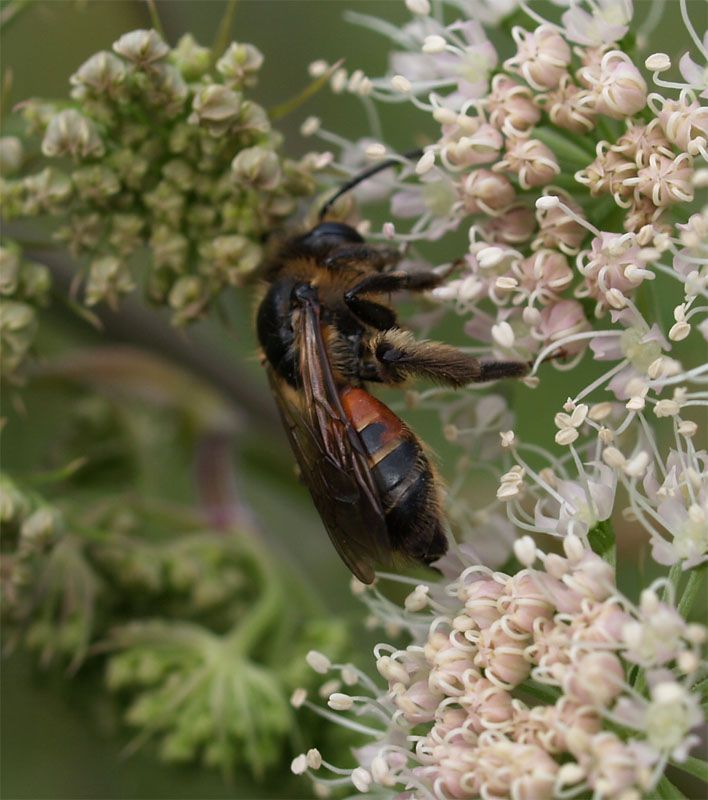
(57, 740)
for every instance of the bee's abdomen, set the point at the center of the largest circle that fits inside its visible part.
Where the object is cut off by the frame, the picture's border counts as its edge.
(403, 476)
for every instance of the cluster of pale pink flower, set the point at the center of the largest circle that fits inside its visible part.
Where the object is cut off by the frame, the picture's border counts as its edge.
(518, 685)
(577, 187)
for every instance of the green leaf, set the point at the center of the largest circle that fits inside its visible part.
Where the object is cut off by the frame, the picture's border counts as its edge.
(667, 791)
(602, 541)
(569, 151)
(694, 766)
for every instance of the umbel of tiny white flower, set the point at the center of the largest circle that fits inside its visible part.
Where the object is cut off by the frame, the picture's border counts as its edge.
(454, 719)
(546, 682)
(164, 152)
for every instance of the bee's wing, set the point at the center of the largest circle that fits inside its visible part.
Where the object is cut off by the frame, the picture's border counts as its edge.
(331, 457)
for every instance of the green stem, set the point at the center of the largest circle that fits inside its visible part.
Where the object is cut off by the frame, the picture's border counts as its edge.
(155, 18)
(224, 31)
(11, 11)
(603, 541)
(248, 631)
(694, 766)
(674, 578)
(283, 109)
(695, 581)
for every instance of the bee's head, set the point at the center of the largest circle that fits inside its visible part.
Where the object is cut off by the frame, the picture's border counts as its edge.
(329, 235)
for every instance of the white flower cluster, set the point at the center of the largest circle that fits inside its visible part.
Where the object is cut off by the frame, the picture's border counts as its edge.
(577, 186)
(546, 683)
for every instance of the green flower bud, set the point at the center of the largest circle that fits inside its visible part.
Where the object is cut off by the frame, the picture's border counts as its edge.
(103, 73)
(9, 270)
(165, 203)
(108, 278)
(96, 184)
(18, 326)
(39, 529)
(132, 134)
(166, 89)
(11, 198)
(215, 107)
(130, 167)
(83, 233)
(13, 502)
(201, 217)
(187, 298)
(37, 114)
(141, 47)
(231, 257)
(191, 58)
(48, 190)
(126, 233)
(101, 111)
(11, 155)
(253, 123)
(205, 186)
(71, 133)
(169, 248)
(35, 282)
(240, 63)
(258, 168)
(182, 139)
(179, 173)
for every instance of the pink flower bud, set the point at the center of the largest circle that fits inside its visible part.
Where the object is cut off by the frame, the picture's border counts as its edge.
(684, 122)
(487, 192)
(667, 180)
(595, 678)
(557, 228)
(563, 319)
(501, 657)
(523, 602)
(514, 226)
(418, 703)
(545, 274)
(487, 705)
(618, 91)
(569, 106)
(609, 173)
(592, 577)
(542, 56)
(530, 159)
(449, 720)
(480, 599)
(510, 105)
(641, 141)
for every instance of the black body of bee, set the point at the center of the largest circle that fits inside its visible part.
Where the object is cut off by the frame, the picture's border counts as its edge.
(325, 332)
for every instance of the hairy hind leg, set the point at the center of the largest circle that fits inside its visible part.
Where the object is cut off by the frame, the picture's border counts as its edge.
(398, 355)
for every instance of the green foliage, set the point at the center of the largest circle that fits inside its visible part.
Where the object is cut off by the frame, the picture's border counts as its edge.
(202, 630)
(24, 288)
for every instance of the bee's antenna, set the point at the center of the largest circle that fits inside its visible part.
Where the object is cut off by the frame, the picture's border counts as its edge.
(367, 173)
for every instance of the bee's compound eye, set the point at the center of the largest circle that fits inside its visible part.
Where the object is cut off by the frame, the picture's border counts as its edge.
(330, 234)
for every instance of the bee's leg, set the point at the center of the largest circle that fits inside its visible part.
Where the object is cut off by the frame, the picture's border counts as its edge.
(377, 316)
(353, 256)
(400, 356)
(389, 282)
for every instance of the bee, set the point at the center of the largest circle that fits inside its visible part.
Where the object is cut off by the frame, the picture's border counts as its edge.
(327, 331)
